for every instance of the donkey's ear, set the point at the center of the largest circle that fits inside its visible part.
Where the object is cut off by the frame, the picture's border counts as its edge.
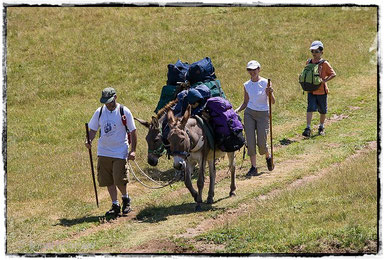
(155, 122)
(141, 121)
(171, 118)
(186, 116)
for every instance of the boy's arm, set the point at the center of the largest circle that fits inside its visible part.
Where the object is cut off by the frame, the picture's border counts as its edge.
(330, 73)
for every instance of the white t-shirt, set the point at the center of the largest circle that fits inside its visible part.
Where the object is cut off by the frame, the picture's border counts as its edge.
(113, 141)
(258, 99)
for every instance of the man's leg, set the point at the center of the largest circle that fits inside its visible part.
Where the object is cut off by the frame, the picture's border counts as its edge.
(121, 180)
(112, 192)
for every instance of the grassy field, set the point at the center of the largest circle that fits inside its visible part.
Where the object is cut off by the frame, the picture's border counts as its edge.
(59, 60)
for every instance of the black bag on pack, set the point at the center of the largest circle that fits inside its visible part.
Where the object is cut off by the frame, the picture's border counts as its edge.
(177, 72)
(201, 70)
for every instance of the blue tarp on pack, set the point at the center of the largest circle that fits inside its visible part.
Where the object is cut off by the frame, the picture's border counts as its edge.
(201, 70)
(177, 72)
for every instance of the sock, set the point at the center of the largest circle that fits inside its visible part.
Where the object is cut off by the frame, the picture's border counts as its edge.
(116, 202)
(309, 126)
(321, 125)
(125, 196)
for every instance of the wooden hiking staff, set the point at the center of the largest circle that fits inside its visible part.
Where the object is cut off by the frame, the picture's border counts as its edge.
(90, 158)
(270, 117)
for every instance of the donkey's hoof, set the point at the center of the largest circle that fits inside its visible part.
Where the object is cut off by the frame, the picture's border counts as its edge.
(198, 207)
(209, 200)
(232, 194)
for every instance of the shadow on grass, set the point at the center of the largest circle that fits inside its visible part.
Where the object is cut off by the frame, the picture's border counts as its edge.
(160, 213)
(88, 219)
(154, 173)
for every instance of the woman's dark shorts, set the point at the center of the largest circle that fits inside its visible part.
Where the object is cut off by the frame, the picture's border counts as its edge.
(317, 103)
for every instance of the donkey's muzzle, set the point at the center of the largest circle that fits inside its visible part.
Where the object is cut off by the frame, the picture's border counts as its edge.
(152, 161)
(179, 164)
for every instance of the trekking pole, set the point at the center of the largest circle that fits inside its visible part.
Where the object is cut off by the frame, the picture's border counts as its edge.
(270, 117)
(90, 158)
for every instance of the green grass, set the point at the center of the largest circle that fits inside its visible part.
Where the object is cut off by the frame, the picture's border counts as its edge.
(59, 60)
(336, 214)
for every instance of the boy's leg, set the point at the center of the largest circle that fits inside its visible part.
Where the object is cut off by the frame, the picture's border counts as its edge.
(323, 107)
(311, 107)
(309, 119)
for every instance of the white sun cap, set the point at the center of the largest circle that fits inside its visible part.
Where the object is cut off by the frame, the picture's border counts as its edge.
(253, 65)
(316, 44)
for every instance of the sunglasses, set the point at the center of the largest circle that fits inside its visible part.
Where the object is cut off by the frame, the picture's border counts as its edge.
(315, 51)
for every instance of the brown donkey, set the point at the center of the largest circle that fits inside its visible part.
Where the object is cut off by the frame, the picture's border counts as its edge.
(189, 146)
(156, 147)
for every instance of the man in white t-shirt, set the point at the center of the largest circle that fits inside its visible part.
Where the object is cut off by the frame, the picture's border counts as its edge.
(112, 148)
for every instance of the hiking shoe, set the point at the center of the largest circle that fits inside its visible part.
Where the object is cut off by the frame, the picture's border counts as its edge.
(270, 164)
(307, 132)
(126, 208)
(321, 131)
(252, 172)
(114, 212)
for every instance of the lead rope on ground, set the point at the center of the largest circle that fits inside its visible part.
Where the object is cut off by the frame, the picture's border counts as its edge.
(130, 168)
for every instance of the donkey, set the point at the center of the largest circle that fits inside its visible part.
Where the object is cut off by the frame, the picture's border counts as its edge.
(189, 146)
(156, 147)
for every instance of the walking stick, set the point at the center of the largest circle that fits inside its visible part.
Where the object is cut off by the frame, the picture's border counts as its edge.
(90, 158)
(270, 117)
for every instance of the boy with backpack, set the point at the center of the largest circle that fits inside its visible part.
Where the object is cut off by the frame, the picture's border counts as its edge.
(114, 121)
(317, 99)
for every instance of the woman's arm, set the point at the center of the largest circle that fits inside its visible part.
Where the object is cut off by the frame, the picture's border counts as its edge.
(245, 102)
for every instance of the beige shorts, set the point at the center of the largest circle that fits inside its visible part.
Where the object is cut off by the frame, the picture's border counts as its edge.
(256, 126)
(111, 171)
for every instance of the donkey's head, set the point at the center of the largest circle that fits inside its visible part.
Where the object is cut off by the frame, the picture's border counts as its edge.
(178, 138)
(155, 144)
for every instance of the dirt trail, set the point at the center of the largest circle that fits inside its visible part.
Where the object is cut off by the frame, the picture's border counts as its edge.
(188, 228)
(230, 215)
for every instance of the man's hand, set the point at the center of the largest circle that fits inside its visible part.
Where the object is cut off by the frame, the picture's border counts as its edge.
(132, 155)
(88, 145)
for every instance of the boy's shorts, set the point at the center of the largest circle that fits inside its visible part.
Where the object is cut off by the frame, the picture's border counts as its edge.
(317, 103)
(111, 171)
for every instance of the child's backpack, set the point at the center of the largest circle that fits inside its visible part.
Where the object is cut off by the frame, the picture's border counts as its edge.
(177, 72)
(309, 78)
(226, 124)
(201, 70)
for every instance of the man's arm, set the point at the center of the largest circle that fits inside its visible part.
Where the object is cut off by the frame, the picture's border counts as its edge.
(132, 152)
(92, 134)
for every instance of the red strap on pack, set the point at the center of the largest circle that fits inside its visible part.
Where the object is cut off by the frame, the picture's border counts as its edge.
(124, 120)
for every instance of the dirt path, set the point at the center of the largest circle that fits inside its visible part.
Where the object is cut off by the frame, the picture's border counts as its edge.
(231, 215)
(190, 224)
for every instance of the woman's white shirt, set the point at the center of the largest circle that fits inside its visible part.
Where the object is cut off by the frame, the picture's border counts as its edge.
(258, 99)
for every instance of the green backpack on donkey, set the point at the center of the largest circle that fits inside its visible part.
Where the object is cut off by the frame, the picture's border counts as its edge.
(309, 78)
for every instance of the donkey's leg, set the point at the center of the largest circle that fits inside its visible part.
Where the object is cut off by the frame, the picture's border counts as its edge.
(188, 181)
(231, 159)
(200, 182)
(212, 180)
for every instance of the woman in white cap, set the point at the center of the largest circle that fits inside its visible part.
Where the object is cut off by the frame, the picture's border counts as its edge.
(256, 115)
(317, 100)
